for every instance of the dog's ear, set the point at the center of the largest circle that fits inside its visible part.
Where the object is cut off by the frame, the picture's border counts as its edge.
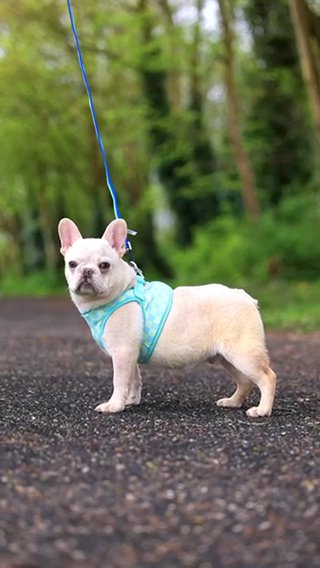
(68, 233)
(116, 235)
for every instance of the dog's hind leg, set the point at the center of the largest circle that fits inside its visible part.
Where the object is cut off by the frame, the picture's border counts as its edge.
(254, 365)
(266, 381)
(244, 387)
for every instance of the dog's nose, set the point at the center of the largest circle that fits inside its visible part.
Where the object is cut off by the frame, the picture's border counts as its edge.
(87, 272)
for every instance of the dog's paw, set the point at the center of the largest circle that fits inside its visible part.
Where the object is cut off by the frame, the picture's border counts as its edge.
(257, 412)
(133, 400)
(228, 403)
(110, 406)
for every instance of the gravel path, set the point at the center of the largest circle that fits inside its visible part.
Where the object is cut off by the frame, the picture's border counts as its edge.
(175, 482)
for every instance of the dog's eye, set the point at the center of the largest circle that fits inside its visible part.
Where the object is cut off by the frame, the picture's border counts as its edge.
(72, 264)
(104, 265)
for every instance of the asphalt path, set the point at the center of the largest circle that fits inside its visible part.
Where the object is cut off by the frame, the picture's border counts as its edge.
(175, 482)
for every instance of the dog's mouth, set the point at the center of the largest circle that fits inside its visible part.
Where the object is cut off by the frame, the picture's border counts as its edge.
(85, 287)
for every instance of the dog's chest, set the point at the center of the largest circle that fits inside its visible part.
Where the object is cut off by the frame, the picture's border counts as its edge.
(155, 300)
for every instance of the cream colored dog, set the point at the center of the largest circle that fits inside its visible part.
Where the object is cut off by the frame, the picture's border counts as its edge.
(205, 323)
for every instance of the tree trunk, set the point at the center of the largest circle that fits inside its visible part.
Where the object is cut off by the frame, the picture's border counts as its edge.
(306, 40)
(49, 243)
(183, 153)
(174, 83)
(243, 163)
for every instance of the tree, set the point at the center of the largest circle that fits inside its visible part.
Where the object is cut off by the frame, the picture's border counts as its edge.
(44, 101)
(277, 126)
(307, 29)
(161, 106)
(184, 158)
(251, 204)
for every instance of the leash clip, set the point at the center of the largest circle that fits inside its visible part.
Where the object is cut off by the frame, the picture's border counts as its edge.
(132, 261)
(136, 268)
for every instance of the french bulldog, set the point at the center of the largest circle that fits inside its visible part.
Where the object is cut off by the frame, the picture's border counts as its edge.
(203, 323)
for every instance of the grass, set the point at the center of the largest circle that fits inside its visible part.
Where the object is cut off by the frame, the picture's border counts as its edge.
(284, 305)
(290, 306)
(35, 285)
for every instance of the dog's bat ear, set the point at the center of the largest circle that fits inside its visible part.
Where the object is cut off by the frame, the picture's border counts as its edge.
(68, 233)
(116, 235)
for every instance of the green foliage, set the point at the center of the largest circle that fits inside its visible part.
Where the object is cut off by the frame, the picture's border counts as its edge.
(289, 305)
(284, 244)
(277, 261)
(36, 284)
(158, 85)
(277, 123)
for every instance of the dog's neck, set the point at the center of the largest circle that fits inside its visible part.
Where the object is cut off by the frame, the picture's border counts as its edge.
(125, 280)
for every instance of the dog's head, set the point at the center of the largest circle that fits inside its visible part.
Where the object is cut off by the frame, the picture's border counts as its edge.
(93, 267)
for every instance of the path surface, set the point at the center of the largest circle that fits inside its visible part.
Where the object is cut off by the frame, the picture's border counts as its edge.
(176, 482)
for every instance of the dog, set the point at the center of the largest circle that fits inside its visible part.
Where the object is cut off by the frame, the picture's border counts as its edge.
(192, 323)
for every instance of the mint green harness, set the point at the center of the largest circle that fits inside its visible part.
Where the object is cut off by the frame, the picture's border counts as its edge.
(155, 299)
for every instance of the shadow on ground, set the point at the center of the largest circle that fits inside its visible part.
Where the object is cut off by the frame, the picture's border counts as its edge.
(175, 482)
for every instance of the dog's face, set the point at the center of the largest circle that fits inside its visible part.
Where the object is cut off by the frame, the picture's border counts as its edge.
(92, 266)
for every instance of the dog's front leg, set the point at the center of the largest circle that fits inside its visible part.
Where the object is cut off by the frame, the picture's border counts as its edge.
(123, 335)
(124, 377)
(134, 396)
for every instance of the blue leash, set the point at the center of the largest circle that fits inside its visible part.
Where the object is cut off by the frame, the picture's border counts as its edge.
(110, 185)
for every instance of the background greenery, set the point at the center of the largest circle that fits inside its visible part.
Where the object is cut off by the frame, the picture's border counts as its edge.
(211, 126)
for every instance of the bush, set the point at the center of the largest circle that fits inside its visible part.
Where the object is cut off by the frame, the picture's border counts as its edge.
(285, 244)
